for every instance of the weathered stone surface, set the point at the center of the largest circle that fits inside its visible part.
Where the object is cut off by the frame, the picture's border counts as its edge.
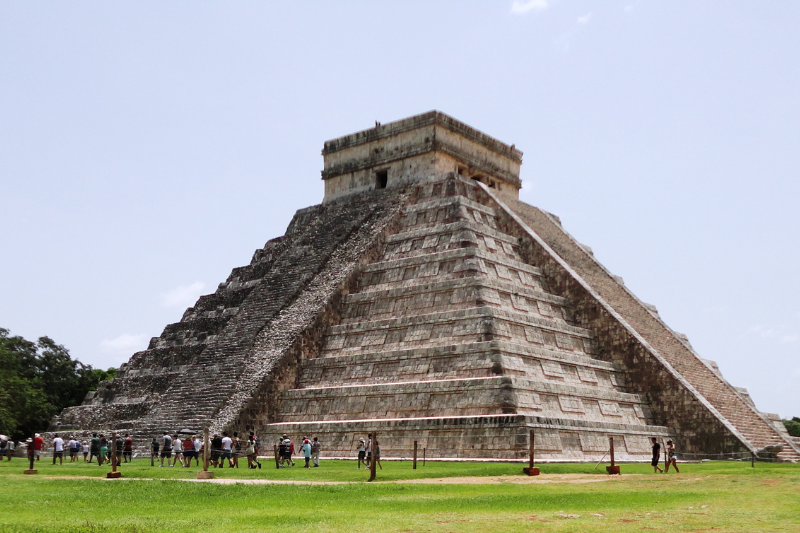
(423, 301)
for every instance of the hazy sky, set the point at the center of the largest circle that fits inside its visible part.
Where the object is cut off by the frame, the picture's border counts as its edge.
(147, 148)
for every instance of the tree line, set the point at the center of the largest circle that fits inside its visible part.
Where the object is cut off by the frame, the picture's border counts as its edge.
(38, 380)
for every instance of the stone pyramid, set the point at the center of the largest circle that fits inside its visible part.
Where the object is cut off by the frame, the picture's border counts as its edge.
(424, 301)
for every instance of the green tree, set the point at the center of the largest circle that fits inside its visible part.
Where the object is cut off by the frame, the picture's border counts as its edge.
(37, 381)
(793, 426)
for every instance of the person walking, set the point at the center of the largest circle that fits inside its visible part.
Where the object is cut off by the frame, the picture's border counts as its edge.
(254, 440)
(127, 453)
(307, 452)
(237, 449)
(9, 449)
(189, 451)
(177, 449)
(227, 446)
(198, 449)
(216, 450)
(315, 449)
(103, 451)
(95, 448)
(71, 449)
(656, 454)
(672, 458)
(38, 446)
(166, 448)
(250, 452)
(362, 453)
(58, 449)
(85, 450)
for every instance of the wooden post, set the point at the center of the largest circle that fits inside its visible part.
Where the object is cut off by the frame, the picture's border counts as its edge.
(612, 469)
(205, 474)
(152, 455)
(424, 453)
(415, 455)
(113, 474)
(752, 460)
(31, 453)
(277, 458)
(373, 447)
(666, 461)
(532, 470)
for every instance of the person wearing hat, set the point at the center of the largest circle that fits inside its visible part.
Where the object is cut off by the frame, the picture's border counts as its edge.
(672, 458)
(38, 446)
(362, 452)
(307, 451)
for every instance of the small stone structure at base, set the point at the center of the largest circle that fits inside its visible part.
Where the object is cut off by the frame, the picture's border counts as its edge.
(422, 300)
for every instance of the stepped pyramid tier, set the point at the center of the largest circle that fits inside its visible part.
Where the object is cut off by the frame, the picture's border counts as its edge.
(423, 301)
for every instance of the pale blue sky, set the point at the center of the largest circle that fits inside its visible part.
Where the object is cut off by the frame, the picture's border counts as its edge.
(147, 148)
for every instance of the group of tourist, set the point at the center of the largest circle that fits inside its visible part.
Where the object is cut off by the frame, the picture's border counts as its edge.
(222, 448)
(365, 452)
(309, 448)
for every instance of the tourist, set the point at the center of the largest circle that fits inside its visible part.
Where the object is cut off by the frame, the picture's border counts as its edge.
(95, 448)
(237, 449)
(85, 450)
(166, 448)
(250, 452)
(288, 450)
(377, 447)
(227, 446)
(177, 449)
(38, 446)
(282, 449)
(58, 449)
(362, 452)
(656, 454)
(188, 451)
(369, 450)
(198, 449)
(307, 452)
(120, 448)
(254, 439)
(127, 452)
(71, 448)
(154, 447)
(103, 451)
(9, 449)
(3, 445)
(216, 450)
(672, 458)
(315, 449)
(75, 450)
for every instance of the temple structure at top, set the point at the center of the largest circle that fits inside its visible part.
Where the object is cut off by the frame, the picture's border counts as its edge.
(422, 300)
(423, 147)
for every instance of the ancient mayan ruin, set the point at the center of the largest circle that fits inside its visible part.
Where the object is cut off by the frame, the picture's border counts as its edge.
(422, 300)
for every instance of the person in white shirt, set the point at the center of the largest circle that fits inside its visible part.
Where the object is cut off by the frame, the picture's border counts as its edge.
(85, 449)
(198, 445)
(227, 442)
(58, 449)
(177, 449)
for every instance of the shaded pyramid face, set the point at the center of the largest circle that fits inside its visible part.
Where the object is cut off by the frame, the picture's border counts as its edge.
(450, 338)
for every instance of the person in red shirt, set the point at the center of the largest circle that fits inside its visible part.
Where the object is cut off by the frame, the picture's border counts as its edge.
(127, 449)
(38, 446)
(188, 451)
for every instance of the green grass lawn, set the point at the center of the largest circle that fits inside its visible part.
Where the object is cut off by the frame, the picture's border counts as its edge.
(726, 496)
